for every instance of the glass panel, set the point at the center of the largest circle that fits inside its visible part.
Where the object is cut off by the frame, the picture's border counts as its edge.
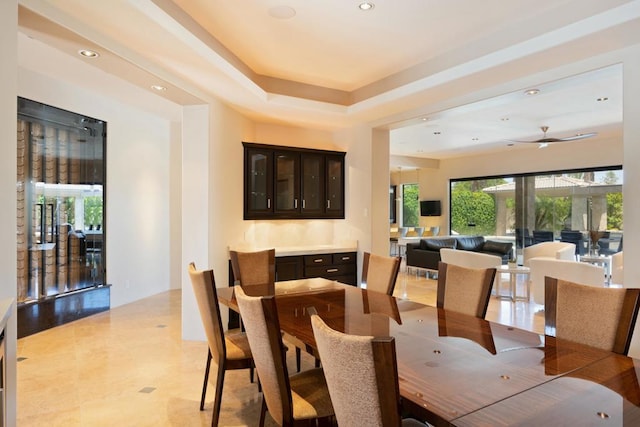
(410, 205)
(286, 184)
(334, 184)
(312, 168)
(259, 181)
(60, 164)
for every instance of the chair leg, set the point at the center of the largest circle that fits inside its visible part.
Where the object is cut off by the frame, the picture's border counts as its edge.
(263, 412)
(218, 399)
(206, 379)
(298, 358)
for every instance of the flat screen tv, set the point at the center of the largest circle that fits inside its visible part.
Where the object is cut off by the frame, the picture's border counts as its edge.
(430, 208)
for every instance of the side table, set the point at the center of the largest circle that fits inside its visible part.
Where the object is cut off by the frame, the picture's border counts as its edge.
(514, 271)
(603, 260)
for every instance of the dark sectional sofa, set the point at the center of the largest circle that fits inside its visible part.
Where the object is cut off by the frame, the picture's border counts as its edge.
(426, 253)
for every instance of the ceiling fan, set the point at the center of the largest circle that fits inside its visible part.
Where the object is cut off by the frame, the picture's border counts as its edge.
(547, 140)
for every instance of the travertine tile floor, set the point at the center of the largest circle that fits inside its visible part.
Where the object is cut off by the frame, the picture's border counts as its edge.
(130, 367)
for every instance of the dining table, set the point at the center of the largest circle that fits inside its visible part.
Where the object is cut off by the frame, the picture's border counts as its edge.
(459, 370)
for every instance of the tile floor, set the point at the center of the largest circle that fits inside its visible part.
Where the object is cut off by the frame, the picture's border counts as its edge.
(130, 367)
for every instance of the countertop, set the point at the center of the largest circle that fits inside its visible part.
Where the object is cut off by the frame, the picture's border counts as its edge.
(348, 246)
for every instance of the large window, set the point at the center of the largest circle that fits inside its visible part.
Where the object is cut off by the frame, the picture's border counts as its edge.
(410, 205)
(582, 206)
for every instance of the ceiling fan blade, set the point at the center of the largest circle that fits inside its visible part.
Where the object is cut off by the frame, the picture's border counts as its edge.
(551, 140)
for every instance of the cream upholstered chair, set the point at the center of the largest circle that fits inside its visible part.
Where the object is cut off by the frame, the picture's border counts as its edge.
(231, 350)
(471, 259)
(362, 376)
(379, 273)
(254, 268)
(290, 400)
(580, 272)
(598, 317)
(465, 290)
(617, 268)
(556, 250)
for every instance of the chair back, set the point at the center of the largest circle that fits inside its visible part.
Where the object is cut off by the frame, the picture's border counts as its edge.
(598, 317)
(366, 361)
(254, 268)
(471, 259)
(379, 273)
(204, 289)
(260, 318)
(575, 237)
(540, 236)
(465, 290)
(580, 272)
(557, 250)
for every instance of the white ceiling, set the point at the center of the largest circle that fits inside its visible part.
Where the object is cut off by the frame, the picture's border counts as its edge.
(461, 64)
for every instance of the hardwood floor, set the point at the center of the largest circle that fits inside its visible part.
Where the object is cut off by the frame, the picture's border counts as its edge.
(130, 367)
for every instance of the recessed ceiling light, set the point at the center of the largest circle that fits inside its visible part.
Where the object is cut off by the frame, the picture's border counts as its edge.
(158, 88)
(365, 5)
(88, 53)
(475, 139)
(424, 119)
(282, 12)
(505, 119)
(532, 91)
(602, 98)
(437, 132)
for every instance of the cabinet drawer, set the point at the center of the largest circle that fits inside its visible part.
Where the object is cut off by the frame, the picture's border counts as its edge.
(329, 270)
(323, 259)
(344, 258)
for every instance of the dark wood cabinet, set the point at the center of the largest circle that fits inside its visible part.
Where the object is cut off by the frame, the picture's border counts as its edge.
(292, 183)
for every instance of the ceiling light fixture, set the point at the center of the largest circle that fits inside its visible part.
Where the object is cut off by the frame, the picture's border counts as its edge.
(88, 53)
(532, 91)
(365, 5)
(602, 98)
(158, 88)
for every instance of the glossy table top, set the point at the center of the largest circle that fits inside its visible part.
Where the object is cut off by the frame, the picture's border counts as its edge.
(451, 365)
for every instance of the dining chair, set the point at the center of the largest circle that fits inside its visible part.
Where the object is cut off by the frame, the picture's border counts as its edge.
(599, 317)
(257, 268)
(465, 290)
(290, 400)
(231, 350)
(472, 259)
(362, 376)
(379, 273)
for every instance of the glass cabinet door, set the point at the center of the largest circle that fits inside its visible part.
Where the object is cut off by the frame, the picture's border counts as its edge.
(335, 186)
(287, 184)
(258, 182)
(312, 185)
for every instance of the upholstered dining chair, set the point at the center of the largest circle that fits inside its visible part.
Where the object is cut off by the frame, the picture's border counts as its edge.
(598, 317)
(231, 349)
(291, 401)
(256, 268)
(362, 376)
(379, 273)
(465, 290)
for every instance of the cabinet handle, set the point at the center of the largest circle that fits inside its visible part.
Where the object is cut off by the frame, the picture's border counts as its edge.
(346, 258)
(332, 270)
(304, 204)
(318, 260)
(328, 204)
(295, 203)
(268, 203)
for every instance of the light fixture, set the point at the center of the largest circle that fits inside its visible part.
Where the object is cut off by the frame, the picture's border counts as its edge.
(602, 99)
(365, 5)
(158, 88)
(532, 91)
(437, 132)
(88, 53)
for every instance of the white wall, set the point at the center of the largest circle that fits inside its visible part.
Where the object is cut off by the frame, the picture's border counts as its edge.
(138, 184)
(8, 117)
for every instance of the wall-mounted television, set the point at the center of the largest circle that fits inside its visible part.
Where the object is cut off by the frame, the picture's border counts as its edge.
(430, 208)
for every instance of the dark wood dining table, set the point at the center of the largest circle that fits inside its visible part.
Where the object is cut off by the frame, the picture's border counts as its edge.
(459, 370)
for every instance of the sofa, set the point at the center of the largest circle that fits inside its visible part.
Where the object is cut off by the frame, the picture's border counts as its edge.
(426, 253)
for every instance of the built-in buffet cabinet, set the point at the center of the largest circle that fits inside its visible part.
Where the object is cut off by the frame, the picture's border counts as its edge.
(292, 183)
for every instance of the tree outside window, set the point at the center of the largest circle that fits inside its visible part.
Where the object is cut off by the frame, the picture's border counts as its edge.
(410, 205)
